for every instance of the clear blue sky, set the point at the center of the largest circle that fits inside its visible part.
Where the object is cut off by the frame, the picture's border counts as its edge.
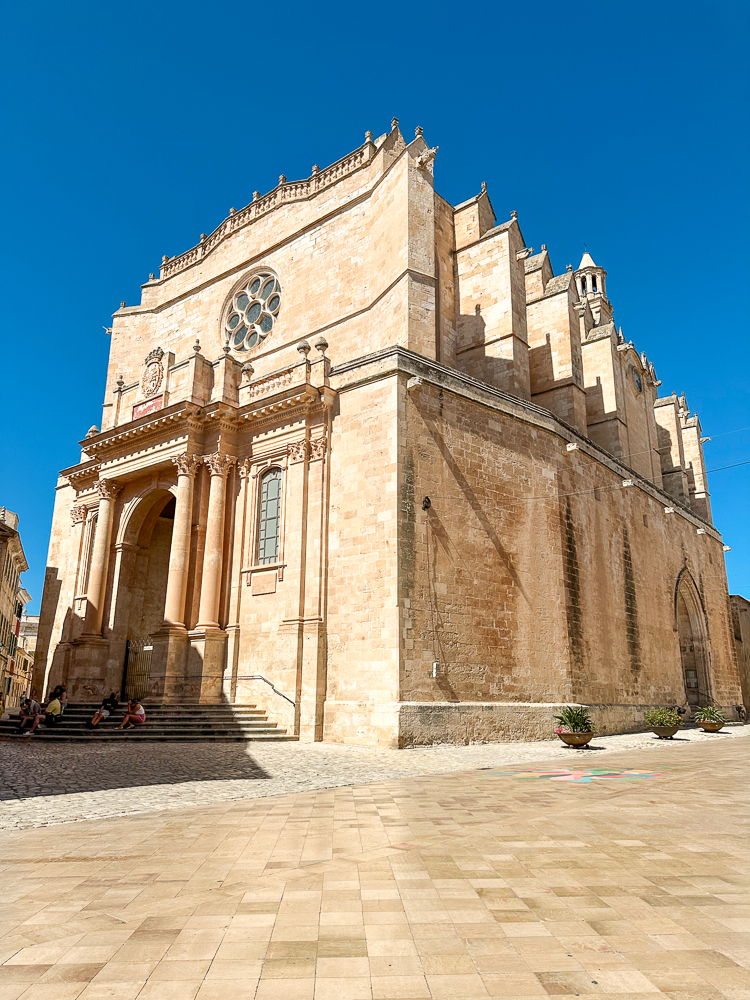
(131, 128)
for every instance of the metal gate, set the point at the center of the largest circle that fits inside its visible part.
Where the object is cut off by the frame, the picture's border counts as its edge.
(135, 678)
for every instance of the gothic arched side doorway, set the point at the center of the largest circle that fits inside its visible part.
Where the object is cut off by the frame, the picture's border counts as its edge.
(693, 639)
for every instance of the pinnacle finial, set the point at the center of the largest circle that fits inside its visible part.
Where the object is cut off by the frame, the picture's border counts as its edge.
(418, 132)
(394, 124)
(368, 136)
(514, 215)
(197, 346)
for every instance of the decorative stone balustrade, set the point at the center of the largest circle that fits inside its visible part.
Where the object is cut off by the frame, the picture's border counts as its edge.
(287, 192)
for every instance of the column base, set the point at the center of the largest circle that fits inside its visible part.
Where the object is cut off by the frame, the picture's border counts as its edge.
(206, 662)
(87, 669)
(168, 681)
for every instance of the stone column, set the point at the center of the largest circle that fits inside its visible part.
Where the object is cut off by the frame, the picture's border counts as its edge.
(179, 555)
(208, 613)
(92, 626)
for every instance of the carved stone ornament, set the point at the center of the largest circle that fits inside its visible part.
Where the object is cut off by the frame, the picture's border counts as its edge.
(298, 451)
(186, 464)
(317, 449)
(245, 467)
(218, 464)
(78, 513)
(425, 159)
(108, 489)
(154, 373)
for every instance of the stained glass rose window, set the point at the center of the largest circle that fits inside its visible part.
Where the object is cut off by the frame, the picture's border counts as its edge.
(253, 311)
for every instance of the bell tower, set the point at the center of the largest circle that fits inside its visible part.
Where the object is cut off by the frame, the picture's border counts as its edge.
(592, 287)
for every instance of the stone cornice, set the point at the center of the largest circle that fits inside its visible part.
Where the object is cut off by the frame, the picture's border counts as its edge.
(400, 361)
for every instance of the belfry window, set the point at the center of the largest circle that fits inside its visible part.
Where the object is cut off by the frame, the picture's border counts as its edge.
(269, 517)
(593, 282)
(583, 284)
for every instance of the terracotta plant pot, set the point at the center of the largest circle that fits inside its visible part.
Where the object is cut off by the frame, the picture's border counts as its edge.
(664, 732)
(711, 727)
(576, 739)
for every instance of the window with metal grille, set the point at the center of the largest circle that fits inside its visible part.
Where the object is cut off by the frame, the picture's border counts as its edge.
(269, 517)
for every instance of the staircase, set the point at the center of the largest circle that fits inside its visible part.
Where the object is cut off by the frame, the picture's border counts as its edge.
(164, 724)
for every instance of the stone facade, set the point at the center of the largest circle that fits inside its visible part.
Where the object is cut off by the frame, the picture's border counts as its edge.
(15, 662)
(741, 622)
(278, 407)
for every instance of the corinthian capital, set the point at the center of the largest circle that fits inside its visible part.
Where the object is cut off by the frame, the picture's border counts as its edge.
(78, 513)
(108, 489)
(218, 464)
(186, 464)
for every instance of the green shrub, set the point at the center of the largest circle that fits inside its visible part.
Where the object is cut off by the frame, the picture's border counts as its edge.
(663, 717)
(709, 714)
(574, 719)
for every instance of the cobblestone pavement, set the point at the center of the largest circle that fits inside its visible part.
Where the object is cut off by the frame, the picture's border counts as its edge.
(445, 887)
(43, 784)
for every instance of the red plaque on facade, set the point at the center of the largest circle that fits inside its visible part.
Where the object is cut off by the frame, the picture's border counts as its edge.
(150, 406)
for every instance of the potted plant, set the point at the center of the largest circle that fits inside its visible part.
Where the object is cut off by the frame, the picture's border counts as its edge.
(709, 719)
(575, 727)
(664, 722)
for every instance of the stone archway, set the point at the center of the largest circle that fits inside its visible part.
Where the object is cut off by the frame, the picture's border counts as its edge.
(142, 548)
(693, 641)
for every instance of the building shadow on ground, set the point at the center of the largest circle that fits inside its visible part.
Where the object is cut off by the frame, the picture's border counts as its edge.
(29, 770)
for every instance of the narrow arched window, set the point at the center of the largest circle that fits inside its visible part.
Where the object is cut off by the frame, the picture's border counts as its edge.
(593, 283)
(583, 284)
(269, 516)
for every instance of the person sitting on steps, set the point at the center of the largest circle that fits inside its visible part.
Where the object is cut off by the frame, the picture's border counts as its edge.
(49, 717)
(135, 715)
(108, 705)
(29, 711)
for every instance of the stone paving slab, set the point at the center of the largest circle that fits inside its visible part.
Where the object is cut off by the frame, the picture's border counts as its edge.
(42, 784)
(625, 875)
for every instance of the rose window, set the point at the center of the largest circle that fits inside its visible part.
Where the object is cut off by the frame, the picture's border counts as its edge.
(254, 309)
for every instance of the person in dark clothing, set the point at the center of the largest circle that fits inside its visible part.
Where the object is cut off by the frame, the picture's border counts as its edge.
(108, 705)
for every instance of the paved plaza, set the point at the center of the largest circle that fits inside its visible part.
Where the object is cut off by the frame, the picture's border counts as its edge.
(43, 783)
(624, 874)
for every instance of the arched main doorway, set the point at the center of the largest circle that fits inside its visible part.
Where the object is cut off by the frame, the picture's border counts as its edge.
(693, 639)
(143, 548)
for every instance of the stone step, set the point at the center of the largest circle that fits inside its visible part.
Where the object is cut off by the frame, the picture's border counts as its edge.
(277, 736)
(164, 722)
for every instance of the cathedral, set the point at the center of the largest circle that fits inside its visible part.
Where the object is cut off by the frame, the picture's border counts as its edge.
(365, 460)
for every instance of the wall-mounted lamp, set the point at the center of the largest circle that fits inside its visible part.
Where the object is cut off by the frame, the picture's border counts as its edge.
(571, 447)
(426, 503)
(669, 510)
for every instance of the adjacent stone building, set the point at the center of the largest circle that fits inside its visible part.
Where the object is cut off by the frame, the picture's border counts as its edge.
(741, 621)
(366, 460)
(15, 663)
